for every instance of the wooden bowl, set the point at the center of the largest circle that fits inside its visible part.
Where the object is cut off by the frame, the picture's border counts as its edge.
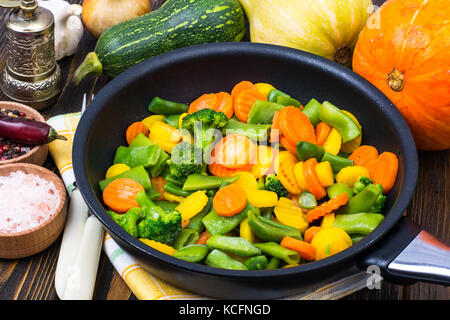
(29, 242)
(38, 154)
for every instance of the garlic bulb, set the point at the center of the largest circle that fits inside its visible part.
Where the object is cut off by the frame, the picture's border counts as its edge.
(68, 26)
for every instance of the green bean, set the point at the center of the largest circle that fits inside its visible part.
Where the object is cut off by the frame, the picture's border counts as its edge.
(288, 101)
(307, 200)
(256, 263)
(312, 111)
(235, 245)
(171, 179)
(274, 94)
(166, 205)
(176, 190)
(218, 259)
(337, 163)
(201, 182)
(335, 118)
(172, 120)
(196, 221)
(153, 193)
(166, 107)
(361, 202)
(267, 212)
(338, 188)
(146, 156)
(268, 230)
(356, 237)
(141, 141)
(216, 224)
(186, 237)
(307, 150)
(138, 174)
(192, 253)
(274, 262)
(275, 250)
(262, 112)
(358, 223)
(255, 132)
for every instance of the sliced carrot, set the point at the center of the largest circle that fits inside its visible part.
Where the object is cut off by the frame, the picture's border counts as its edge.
(203, 237)
(312, 180)
(310, 233)
(306, 250)
(327, 207)
(322, 130)
(384, 170)
(244, 102)
(289, 145)
(224, 104)
(158, 183)
(241, 86)
(205, 101)
(364, 156)
(219, 170)
(275, 130)
(296, 126)
(134, 129)
(120, 194)
(229, 200)
(235, 151)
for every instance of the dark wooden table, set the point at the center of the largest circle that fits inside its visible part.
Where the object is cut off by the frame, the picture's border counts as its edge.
(33, 277)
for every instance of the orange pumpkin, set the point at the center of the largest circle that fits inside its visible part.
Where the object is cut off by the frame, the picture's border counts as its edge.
(404, 50)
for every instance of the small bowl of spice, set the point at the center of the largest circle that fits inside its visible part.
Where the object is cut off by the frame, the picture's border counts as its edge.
(24, 134)
(33, 209)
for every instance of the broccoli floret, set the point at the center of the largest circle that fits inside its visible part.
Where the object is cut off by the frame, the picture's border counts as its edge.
(128, 221)
(185, 160)
(361, 183)
(379, 204)
(157, 224)
(274, 184)
(203, 124)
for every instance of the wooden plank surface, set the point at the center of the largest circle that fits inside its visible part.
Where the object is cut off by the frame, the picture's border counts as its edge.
(33, 278)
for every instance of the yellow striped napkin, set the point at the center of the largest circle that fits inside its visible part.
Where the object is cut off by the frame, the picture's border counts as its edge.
(142, 283)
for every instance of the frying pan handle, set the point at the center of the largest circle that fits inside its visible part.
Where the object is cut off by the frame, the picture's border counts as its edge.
(409, 254)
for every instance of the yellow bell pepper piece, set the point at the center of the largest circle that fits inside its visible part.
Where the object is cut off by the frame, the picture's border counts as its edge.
(325, 173)
(299, 174)
(329, 241)
(327, 220)
(246, 181)
(264, 88)
(352, 145)
(289, 214)
(333, 142)
(149, 120)
(246, 232)
(262, 198)
(116, 169)
(192, 205)
(349, 175)
(159, 246)
(286, 163)
(164, 135)
(172, 197)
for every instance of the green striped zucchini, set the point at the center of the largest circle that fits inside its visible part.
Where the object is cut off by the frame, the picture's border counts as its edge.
(177, 24)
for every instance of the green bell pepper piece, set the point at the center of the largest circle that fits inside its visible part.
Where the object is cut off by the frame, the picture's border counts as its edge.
(256, 263)
(274, 94)
(196, 221)
(218, 259)
(141, 141)
(288, 101)
(307, 150)
(358, 223)
(335, 118)
(307, 200)
(186, 237)
(275, 250)
(166, 107)
(312, 111)
(192, 253)
(235, 245)
(172, 120)
(262, 112)
(146, 156)
(255, 132)
(202, 181)
(338, 188)
(216, 224)
(361, 202)
(268, 230)
(337, 163)
(138, 174)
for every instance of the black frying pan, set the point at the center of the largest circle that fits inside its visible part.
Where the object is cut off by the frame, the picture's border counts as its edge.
(183, 75)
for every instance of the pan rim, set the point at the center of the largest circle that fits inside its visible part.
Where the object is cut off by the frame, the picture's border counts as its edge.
(206, 50)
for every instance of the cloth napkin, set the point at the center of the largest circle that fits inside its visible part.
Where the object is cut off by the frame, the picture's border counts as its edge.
(135, 273)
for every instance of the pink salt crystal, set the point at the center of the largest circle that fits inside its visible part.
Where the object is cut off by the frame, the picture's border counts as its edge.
(26, 201)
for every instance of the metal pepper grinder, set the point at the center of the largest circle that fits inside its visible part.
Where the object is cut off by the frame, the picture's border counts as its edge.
(31, 74)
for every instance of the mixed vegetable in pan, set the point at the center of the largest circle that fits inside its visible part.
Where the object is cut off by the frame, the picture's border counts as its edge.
(248, 180)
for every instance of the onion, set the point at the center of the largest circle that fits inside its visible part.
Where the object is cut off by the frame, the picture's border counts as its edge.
(99, 15)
